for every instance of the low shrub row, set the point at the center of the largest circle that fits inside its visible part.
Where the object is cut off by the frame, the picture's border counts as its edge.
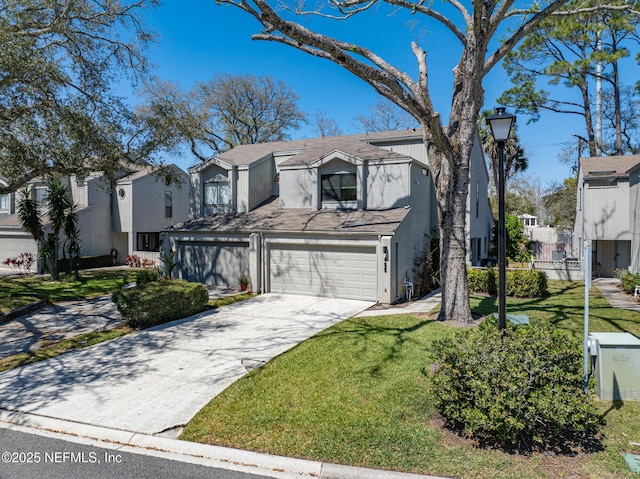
(88, 262)
(158, 302)
(520, 283)
(520, 388)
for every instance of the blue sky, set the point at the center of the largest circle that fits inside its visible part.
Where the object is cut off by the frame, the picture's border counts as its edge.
(198, 39)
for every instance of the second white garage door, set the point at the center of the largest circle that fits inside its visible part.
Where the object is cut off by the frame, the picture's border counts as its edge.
(340, 272)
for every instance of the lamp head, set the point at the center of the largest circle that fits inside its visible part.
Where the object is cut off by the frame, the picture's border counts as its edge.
(501, 124)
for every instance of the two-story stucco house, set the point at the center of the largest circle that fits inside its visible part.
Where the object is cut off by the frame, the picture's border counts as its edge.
(339, 216)
(607, 212)
(120, 220)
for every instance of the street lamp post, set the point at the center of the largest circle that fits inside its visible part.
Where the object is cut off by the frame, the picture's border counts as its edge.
(500, 125)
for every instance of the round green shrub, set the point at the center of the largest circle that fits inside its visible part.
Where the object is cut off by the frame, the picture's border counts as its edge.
(522, 388)
(527, 284)
(160, 301)
(629, 281)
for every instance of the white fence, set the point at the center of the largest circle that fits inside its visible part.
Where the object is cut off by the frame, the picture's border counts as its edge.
(567, 270)
(149, 255)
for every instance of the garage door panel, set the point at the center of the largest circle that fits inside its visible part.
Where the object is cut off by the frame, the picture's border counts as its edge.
(12, 246)
(213, 263)
(342, 272)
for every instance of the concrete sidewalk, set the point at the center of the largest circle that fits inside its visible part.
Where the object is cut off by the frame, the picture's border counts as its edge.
(422, 305)
(617, 298)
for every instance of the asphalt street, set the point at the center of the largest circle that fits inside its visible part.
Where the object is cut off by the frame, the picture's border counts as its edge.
(32, 456)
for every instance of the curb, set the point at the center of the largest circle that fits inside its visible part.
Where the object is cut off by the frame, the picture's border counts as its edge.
(278, 467)
(22, 310)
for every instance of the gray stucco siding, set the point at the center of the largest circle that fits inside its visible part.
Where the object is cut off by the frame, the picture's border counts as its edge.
(298, 188)
(388, 185)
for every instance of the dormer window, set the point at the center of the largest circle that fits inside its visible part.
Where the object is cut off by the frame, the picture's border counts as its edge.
(339, 187)
(216, 191)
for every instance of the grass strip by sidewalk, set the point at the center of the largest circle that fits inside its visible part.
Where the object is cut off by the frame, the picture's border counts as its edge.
(356, 394)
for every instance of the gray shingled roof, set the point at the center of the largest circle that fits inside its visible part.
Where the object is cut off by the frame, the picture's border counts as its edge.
(311, 149)
(10, 221)
(269, 217)
(348, 145)
(617, 165)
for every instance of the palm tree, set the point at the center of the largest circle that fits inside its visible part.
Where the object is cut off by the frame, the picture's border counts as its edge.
(58, 205)
(72, 243)
(29, 217)
(514, 159)
(61, 213)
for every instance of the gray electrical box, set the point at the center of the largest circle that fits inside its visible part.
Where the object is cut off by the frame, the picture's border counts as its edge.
(617, 365)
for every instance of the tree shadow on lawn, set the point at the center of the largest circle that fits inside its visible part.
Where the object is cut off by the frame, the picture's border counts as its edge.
(564, 308)
(389, 339)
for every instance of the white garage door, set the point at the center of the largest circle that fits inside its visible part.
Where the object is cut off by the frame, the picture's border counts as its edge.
(11, 246)
(214, 263)
(340, 272)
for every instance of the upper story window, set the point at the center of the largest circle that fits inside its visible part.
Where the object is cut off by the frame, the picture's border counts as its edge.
(602, 182)
(41, 195)
(168, 204)
(339, 187)
(4, 202)
(216, 191)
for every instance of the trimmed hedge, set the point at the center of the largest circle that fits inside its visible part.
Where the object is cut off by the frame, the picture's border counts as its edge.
(483, 280)
(522, 388)
(520, 283)
(160, 301)
(147, 276)
(88, 262)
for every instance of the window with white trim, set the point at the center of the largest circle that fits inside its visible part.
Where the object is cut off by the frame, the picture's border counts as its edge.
(339, 187)
(41, 195)
(4, 202)
(216, 191)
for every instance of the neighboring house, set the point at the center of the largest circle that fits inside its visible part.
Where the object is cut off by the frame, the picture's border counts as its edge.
(7, 202)
(548, 242)
(125, 219)
(340, 216)
(607, 212)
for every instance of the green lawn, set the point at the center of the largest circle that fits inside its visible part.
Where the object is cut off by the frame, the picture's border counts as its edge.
(356, 394)
(19, 291)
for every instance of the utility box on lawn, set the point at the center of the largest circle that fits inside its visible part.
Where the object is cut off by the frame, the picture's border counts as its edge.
(617, 365)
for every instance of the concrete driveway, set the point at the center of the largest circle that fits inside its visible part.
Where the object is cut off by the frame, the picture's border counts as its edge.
(156, 380)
